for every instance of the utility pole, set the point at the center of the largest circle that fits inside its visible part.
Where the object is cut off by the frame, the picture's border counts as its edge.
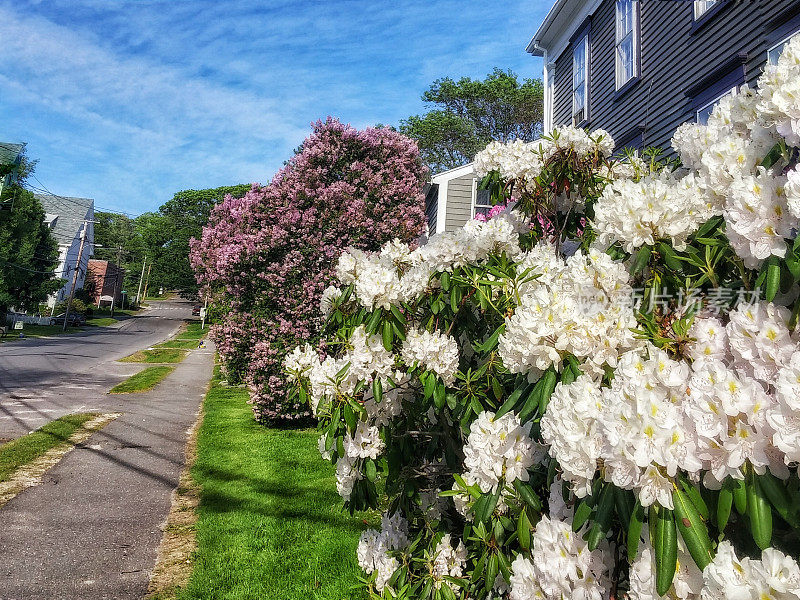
(147, 281)
(75, 275)
(116, 280)
(141, 280)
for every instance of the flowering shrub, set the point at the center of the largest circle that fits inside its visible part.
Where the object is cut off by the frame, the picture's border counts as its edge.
(606, 406)
(267, 257)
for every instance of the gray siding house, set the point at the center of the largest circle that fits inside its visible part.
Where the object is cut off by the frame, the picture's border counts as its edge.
(640, 68)
(453, 198)
(70, 220)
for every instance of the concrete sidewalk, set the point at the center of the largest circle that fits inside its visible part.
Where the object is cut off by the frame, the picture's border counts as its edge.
(91, 529)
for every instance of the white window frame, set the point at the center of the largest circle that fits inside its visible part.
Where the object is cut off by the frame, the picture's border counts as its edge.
(582, 43)
(475, 204)
(621, 36)
(778, 45)
(701, 7)
(729, 92)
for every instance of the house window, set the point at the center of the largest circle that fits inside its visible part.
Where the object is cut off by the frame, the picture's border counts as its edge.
(627, 41)
(774, 53)
(704, 112)
(481, 201)
(701, 7)
(580, 80)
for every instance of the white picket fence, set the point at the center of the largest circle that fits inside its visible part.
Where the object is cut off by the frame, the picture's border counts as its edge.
(12, 318)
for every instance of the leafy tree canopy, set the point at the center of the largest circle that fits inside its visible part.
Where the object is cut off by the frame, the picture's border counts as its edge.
(165, 235)
(467, 114)
(28, 251)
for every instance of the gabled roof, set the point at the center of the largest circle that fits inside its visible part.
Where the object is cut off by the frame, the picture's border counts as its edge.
(69, 214)
(9, 153)
(453, 173)
(558, 26)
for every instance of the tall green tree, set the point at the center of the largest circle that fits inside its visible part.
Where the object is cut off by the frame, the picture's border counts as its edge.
(165, 235)
(469, 113)
(28, 251)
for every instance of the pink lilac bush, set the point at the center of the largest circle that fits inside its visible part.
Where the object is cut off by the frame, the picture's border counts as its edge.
(265, 258)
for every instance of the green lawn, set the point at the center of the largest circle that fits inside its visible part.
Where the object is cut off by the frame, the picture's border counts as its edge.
(179, 344)
(101, 321)
(38, 331)
(142, 381)
(271, 526)
(193, 331)
(157, 355)
(23, 450)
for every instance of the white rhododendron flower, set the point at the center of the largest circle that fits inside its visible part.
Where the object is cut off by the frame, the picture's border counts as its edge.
(365, 443)
(760, 340)
(499, 450)
(571, 428)
(447, 560)
(329, 294)
(728, 577)
(792, 191)
(656, 207)
(374, 547)
(434, 351)
(581, 306)
(561, 565)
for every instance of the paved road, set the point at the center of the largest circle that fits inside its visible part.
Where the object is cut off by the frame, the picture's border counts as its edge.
(44, 378)
(90, 530)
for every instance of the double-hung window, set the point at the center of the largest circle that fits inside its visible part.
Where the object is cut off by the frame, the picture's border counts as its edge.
(481, 201)
(580, 80)
(701, 7)
(627, 44)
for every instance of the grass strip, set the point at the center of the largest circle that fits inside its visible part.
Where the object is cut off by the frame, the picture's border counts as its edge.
(179, 344)
(270, 526)
(34, 331)
(30, 473)
(142, 381)
(101, 321)
(23, 450)
(156, 356)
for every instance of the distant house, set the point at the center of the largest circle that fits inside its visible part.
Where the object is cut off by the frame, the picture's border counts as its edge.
(640, 68)
(69, 219)
(106, 279)
(10, 155)
(452, 198)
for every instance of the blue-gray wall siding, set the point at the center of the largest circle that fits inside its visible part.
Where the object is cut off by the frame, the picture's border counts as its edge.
(675, 60)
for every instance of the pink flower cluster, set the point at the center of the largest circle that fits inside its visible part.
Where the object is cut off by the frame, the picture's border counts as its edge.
(266, 257)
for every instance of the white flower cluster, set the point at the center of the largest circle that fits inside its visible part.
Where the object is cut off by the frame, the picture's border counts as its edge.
(448, 561)
(524, 161)
(329, 294)
(775, 576)
(499, 450)
(365, 443)
(792, 190)
(738, 402)
(779, 93)
(726, 156)
(365, 360)
(397, 274)
(374, 547)
(658, 206)
(561, 566)
(580, 306)
(433, 351)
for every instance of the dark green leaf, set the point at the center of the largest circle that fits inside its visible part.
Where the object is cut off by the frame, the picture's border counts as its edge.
(693, 529)
(665, 545)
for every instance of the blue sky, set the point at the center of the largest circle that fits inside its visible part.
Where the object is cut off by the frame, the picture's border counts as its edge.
(129, 101)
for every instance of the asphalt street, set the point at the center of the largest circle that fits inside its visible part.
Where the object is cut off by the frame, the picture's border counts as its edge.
(90, 530)
(44, 378)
